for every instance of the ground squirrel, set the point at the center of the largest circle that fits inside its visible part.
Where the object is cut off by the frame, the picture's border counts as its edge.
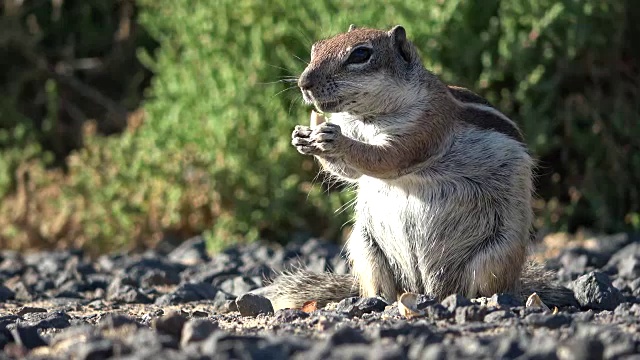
(444, 180)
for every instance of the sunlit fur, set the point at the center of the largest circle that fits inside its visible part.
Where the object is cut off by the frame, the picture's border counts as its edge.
(444, 182)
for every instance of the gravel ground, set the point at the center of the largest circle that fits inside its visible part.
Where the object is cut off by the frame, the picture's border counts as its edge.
(186, 305)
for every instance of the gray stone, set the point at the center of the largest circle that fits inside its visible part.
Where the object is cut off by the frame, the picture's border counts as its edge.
(190, 252)
(346, 335)
(580, 349)
(197, 330)
(470, 314)
(238, 285)
(6, 294)
(454, 301)
(253, 305)
(356, 307)
(188, 293)
(288, 315)
(497, 316)
(423, 301)
(595, 291)
(171, 323)
(629, 267)
(27, 310)
(27, 337)
(438, 312)
(505, 300)
(54, 319)
(551, 321)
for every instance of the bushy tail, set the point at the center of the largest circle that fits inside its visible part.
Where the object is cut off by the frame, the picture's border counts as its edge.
(292, 289)
(535, 278)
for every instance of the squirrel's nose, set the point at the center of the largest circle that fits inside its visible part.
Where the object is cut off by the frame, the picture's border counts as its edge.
(304, 82)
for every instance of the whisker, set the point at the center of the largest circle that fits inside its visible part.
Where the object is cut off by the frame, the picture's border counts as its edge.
(281, 68)
(297, 57)
(277, 82)
(345, 206)
(294, 102)
(281, 91)
(306, 38)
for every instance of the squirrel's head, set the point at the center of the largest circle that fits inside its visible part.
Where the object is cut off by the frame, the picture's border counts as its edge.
(362, 71)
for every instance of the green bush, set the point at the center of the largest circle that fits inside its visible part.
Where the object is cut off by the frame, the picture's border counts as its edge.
(213, 152)
(554, 66)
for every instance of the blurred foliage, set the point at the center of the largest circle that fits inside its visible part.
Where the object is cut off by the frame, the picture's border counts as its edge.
(211, 151)
(63, 64)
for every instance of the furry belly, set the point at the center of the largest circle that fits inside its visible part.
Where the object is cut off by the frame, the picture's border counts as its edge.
(398, 219)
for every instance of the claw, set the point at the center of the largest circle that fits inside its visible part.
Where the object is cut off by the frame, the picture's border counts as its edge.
(301, 131)
(307, 150)
(299, 141)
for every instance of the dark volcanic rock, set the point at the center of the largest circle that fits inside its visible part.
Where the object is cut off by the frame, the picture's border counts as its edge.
(218, 270)
(187, 293)
(190, 252)
(421, 331)
(195, 313)
(11, 265)
(112, 321)
(125, 293)
(6, 293)
(197, 330)
(548, 320)
(577, 261)
(470, 313)
(98, 349)
(151, 263)
(157, 278)
(423, 301)
(21, 291)
(226, 346)
(582, 349)
(347, 335)
(623, 261)
(505, 300)
(452, 302)
(7, 320)
(438, 312)
(355, 306)
(629, 267)
(27, 337)
(289, 315)
(171, 324)
(595, 291)
(125, 289)
(500, 315)
(27, 310)
(253, 305)
(54, 319)
(238, 285)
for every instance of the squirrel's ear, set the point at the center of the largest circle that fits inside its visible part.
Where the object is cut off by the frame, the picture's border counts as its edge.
(401, 44)
(352, 27)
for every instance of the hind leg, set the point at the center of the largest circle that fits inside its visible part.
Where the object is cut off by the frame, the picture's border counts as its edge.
(495, 270)
(370, 266)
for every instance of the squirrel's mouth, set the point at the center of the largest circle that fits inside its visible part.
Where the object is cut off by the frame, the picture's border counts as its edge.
(327, 106)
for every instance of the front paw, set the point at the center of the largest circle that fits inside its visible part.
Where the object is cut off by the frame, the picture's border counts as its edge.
(328, 138)
(325, 139)
(300, 138)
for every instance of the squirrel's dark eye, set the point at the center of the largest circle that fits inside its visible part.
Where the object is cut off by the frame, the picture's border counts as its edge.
(359, 55)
